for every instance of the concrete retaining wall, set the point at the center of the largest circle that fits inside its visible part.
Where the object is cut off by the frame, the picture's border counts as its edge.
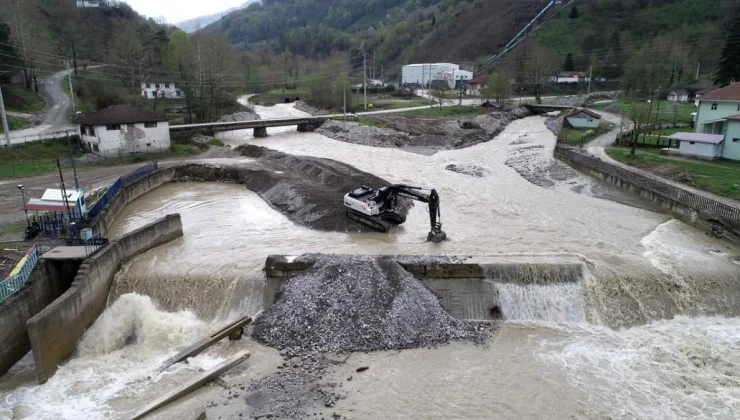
(128, 194)
(466, 291)
(54, 331)
(689, 207)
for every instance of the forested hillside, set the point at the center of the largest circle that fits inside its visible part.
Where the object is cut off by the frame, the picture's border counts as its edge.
(634, 39)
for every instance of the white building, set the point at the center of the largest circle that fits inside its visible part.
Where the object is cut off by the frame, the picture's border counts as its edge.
(89, 3)
(701, 145)
(124, 129)
(426, 73)
(678, 95)
(160, 88)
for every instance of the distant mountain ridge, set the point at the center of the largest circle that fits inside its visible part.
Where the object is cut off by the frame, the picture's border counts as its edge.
(193, 25)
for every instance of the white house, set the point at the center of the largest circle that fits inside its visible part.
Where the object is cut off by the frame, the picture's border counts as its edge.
(678, 95)
(707, 146)
(124, 129)
(583, 118)
(89, 3)
(570, 77)
(426, 73)
(160, 88)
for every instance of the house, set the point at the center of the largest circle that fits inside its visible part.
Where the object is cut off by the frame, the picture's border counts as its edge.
(706, 146)
(570, 77)
(718, 115)
(124, 129)
(162, 88)
(703, 92)
(583, 118)
(488, 107)
(678, 95)
(477, 84)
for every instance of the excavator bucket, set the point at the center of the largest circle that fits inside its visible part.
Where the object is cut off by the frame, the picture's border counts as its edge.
(436, 237)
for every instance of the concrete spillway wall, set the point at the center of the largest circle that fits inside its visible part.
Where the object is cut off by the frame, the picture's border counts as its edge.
(482, 288)
(691, 208)
(55, 330)
(127, 194)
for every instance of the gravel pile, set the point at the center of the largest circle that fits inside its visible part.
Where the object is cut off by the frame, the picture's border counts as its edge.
(601, 96)
(302, 106)
(494, 123)
(555, 125)
(355, 133)
(356, 303)
(239, 116)
(469, 170)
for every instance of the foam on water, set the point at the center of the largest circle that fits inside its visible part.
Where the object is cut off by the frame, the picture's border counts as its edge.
(670, 369)
(117, 359)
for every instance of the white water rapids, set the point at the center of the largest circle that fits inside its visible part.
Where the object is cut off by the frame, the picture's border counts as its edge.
(548, 364)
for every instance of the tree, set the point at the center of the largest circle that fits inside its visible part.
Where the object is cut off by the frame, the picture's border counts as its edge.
(499, 89)
(537, 68)
(130, 55)
(574, 12)
(569, 66)
(728, 70)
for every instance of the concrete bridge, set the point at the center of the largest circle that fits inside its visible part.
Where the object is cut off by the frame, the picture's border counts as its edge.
(544, 108)
(260, 127)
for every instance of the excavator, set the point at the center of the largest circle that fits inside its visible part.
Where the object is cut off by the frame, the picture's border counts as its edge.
(376, 208)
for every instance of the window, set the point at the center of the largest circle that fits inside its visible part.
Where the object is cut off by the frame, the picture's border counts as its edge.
(96, 148)
(736, 140)
(179, 93)
(148, 85)
(692, 142)
(166, 85)
(150, 125)
(113, 127)
(91, 130)
(157, 86)
(590, 120)
(714, 107)
(738, 107)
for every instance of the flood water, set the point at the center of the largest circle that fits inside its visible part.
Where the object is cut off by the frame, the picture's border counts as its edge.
(540, 365)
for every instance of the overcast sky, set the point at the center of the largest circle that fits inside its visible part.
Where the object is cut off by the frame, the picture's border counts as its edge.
(178, 10)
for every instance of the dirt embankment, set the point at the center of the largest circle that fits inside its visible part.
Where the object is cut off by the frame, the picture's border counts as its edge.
(419, 134)
(309, 191)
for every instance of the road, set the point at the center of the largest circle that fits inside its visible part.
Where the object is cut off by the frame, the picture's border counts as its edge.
(54, 120)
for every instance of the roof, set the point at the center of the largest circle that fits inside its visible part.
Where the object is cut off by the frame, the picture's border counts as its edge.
(482, 79)
(679, 91)
(159, 79)
(56, 195)
(121, 114)
(734, 118)
(699, 137)
(579, 74)
(728, 93)
(489, 104)
(431, 64)
(53, 200)
(581, 110)
(707, 90)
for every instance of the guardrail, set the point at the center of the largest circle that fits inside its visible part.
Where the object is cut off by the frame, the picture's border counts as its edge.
(16, 282)
(95, 244)
(120, 183)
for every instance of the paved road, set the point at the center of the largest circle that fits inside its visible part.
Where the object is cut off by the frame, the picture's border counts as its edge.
(54, 120)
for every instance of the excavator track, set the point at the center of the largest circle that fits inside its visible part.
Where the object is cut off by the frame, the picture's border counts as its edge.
(374, 222)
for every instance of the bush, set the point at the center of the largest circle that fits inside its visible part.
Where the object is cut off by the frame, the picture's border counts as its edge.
(403, 93)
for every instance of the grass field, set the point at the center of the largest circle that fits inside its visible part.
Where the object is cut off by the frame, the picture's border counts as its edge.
(40, 157)
(580, 136)
(670, 112)
(721, 177)
(17, 123)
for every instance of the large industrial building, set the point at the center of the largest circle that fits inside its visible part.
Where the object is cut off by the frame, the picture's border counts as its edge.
(424, 74)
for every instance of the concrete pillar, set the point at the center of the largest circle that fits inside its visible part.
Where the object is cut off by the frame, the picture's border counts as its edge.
(260, 132)
(307, 127)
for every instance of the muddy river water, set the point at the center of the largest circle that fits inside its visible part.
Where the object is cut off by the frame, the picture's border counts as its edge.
(543, 366)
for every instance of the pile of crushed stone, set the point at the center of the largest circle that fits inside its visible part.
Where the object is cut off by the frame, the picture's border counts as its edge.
(303, 106)
(357, 303)
(239, 116)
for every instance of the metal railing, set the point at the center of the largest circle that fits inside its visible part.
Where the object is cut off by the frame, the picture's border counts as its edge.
(16, 282)
(120, 183)
(95, 244)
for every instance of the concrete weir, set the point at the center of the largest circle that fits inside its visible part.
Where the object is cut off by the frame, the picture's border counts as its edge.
(546, 288)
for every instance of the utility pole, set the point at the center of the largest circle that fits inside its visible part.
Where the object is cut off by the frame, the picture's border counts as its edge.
(423, 70)
(72, 158)
(344, 105)
(364, 74)
(71, 88)
(590, 77)
(5, 119)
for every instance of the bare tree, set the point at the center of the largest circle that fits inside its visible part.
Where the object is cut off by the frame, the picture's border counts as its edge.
(499, 89)
(538, 66)
(131, 55)
(29, 35)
